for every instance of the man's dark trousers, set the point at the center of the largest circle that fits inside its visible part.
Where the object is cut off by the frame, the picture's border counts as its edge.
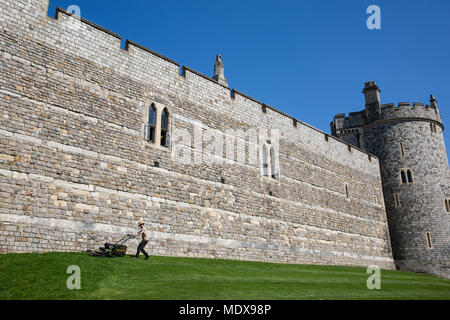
(140, 248)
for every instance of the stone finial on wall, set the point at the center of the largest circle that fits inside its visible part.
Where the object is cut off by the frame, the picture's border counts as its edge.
(219, 74)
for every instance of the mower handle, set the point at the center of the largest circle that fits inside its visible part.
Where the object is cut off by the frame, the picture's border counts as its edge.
(125, 238)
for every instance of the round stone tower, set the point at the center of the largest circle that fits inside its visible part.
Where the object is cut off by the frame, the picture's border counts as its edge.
(408, 139)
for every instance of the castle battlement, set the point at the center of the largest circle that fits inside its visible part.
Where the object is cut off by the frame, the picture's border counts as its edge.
(96, 26)
(375, 113)
(402, 111)
(407, 110)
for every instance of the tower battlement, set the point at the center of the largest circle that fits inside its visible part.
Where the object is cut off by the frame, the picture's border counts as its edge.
(402, 111)
(407, 110)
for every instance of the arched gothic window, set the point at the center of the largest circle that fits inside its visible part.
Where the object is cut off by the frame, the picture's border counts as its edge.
(264, 161)
(403, 174)
(410, 177)
(157, 126)
(151, 126)
(273, 165)
(165, 128)
(433, 127)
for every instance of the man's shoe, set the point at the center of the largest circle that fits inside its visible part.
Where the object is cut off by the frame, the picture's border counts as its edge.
(147, 258)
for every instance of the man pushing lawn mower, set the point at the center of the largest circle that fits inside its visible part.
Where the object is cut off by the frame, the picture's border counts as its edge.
(118, 249)
(144, 233)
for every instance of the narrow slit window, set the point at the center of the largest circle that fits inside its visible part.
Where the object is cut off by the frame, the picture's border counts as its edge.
(347, 194)
(447, 205)
(402, 149)
(397, 200)
(429, 240)
(165, 128)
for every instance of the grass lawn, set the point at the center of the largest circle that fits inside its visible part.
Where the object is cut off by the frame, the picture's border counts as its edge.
(43, 276)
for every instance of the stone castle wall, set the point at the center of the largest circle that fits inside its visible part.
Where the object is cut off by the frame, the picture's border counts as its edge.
(74, 164)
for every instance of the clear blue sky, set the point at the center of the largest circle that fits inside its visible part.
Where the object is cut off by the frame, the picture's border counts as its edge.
(309, 59)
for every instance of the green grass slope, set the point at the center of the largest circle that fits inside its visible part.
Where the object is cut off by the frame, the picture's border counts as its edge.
(43, 276)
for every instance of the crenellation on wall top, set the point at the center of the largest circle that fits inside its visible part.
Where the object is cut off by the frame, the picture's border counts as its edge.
(406, 104)
(410, 110)
(183, 73)
(234, 92)
(406, 110)
(129, 42)
(96, 26)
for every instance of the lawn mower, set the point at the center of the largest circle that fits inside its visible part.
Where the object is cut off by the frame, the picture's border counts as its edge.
(117, 249)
